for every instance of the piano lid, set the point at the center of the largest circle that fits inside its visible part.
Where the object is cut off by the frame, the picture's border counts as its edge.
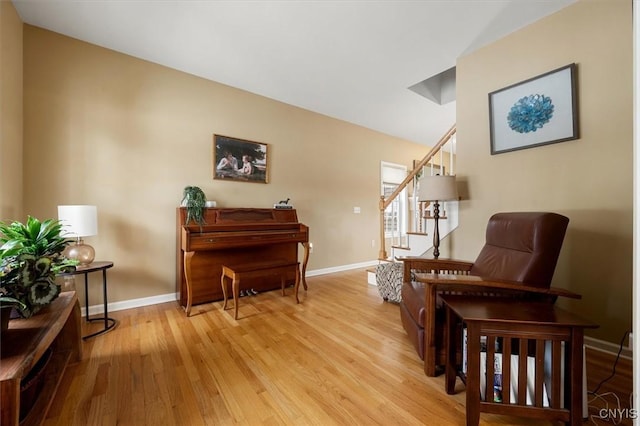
(218, 219)
(228, 216)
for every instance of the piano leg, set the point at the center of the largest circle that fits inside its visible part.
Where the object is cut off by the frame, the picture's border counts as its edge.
(223, 283)
(187, 275)
(297, 284)
(236, 294)
(304, 264)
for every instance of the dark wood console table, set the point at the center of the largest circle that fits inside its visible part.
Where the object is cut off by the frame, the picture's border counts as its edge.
(528, 332)
(56, 327)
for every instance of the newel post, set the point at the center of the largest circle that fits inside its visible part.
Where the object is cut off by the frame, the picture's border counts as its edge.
(382, 254)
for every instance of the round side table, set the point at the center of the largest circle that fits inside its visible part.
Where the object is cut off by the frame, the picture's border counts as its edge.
(109, 323)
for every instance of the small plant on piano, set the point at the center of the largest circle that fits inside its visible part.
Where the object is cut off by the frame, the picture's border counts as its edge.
(194, 200)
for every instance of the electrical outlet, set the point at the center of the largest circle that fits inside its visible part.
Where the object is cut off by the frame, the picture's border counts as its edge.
(373, 243)
(310, 247)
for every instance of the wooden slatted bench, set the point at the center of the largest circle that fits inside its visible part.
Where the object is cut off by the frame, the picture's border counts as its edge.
(245, 271)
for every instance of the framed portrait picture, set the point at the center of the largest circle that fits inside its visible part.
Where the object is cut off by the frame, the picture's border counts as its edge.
(539, 111)
(240, 160)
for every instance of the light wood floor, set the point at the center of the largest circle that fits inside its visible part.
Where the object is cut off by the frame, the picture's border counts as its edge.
(341, 357)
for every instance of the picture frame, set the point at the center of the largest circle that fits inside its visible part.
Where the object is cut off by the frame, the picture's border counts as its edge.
(240, 160)
(539, 111)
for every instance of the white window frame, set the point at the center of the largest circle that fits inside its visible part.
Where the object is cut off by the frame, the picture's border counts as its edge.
(391, 175)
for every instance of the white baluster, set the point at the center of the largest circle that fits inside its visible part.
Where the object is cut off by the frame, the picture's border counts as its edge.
(451, 155)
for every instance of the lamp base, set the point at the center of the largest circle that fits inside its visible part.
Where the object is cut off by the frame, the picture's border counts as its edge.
(436, 230)
(81, 252)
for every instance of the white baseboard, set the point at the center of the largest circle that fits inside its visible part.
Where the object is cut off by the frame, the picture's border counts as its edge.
(133, 303)
(171, 297)
(610, 348)
(341, 268)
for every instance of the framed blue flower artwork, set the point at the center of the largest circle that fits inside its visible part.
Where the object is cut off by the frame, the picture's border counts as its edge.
(539, 111)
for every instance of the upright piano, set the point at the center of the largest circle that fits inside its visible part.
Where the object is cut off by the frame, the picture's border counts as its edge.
(235, 236)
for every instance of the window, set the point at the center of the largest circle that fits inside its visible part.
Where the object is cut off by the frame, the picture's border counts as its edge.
(395, 223)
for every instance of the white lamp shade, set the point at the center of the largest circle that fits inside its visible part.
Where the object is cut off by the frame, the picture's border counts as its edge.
(78, 221)
(437, 188)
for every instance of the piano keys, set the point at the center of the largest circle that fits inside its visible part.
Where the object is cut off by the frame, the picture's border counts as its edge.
(235, 236)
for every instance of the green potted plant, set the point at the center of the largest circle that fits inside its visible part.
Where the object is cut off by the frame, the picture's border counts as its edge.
(194, 200)
(30, 258)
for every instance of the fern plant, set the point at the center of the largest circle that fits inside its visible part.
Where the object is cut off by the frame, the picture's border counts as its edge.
(194, 200)
(30, 258)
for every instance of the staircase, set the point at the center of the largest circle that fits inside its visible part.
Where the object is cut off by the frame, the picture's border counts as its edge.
(418, 238)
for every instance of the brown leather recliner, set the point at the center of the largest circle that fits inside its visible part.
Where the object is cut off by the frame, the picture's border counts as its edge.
(518, 260)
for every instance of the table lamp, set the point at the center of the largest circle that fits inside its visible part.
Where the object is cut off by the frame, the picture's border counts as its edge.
(77, 222)
(437, 188)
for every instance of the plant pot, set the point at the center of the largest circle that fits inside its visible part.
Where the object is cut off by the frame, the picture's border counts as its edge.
(5, 316)
(7, 313)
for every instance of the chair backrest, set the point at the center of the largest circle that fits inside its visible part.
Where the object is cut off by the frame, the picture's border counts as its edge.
(522, 247)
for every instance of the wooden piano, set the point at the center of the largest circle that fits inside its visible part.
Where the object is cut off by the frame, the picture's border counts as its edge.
(232, 237)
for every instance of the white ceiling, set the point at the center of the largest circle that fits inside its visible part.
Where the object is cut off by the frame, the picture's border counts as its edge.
(352, 60)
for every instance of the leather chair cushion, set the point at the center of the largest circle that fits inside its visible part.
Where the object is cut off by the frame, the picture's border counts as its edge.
(415, 333)
(522, 247)
(413, 296)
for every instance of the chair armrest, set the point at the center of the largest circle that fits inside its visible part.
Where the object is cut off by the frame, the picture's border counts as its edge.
(455, 282)
(432, 265)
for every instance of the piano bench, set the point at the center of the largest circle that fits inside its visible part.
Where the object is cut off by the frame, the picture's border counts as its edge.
(237, 273)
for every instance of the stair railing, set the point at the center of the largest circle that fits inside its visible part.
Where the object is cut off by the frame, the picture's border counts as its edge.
(386, 201)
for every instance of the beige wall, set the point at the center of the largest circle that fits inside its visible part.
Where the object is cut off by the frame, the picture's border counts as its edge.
(127, 135)
(10, 113)
(589, 179)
